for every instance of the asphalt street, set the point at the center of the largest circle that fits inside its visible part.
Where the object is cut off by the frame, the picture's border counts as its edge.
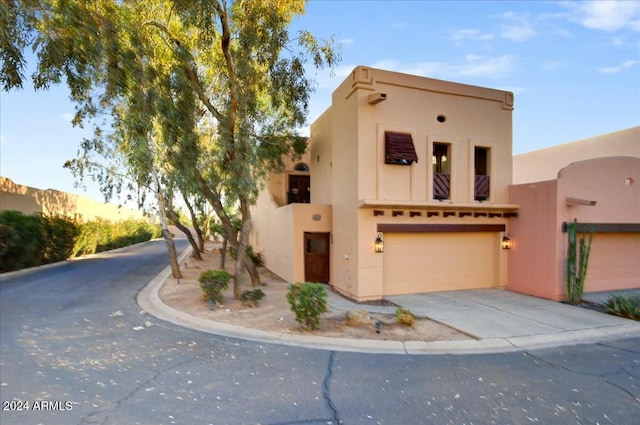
(77, 349)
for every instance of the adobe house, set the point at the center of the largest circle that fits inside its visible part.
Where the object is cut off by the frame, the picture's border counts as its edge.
(405, 189)
(597, 182)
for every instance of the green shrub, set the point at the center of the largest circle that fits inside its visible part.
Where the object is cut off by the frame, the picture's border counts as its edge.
(25, 243)
(404, 316)
(308, 301)
(624, 305)
(213, 282)
(60, 233)
(32, 240)
(252, 297)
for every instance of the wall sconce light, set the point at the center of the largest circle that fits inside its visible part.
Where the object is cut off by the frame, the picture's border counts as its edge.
(379, 245)
(507, 243)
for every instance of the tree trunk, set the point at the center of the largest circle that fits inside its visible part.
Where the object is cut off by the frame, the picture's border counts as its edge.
(223, 253)
(241, 268)
(166, 234)
(194, 223)
(184, 229)
(252, 269)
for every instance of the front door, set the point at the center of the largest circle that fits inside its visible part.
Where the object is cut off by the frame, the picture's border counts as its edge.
(316, 257)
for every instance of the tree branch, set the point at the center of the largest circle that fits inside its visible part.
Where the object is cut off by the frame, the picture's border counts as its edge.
(189, 70)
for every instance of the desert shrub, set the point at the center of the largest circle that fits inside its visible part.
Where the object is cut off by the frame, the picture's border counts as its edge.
(252, 297)
(213, 282)
(404, 316)
(624, 305)
(308, 301)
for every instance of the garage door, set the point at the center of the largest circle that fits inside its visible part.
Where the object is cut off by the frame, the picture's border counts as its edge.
(614, 262)
(429, 262)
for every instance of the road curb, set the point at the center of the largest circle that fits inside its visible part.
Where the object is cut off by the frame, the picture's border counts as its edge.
(149, 300)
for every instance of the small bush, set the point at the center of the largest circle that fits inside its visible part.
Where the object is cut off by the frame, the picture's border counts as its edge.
(252, 297)
(213, 282)
(624, 305)
(405, 317)
(308, 301)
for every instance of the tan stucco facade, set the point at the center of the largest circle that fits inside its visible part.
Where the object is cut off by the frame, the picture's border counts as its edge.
(362, 195)
(596, 181)
(29, 200)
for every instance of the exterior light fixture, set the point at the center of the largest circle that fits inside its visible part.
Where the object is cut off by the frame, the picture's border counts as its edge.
(506, 242)
(379, 245)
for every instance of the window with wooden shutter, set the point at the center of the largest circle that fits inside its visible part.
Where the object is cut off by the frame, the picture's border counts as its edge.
(399, 149)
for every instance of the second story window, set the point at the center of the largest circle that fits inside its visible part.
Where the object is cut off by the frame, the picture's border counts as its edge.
(399, 149)
(481, 180)
(441, 161)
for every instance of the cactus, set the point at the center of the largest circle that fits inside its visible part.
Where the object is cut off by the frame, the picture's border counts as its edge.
(576, 263)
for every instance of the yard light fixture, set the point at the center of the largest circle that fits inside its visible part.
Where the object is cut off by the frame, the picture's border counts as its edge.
(379, 245)
(506, 242)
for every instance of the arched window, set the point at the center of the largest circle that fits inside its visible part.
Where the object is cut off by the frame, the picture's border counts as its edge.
(301, 167)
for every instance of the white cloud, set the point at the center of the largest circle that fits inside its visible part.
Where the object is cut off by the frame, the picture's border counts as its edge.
(518, 28)
(615, 69)
(469, 34)
(611, 15)
(472, 66)
(347, 41)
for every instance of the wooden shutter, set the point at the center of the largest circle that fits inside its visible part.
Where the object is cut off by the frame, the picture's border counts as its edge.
(399, 149)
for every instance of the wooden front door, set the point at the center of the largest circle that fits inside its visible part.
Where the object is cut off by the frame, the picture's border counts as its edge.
(316, 257)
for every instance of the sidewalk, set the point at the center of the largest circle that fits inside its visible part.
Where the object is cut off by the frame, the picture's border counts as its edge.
(498, 320)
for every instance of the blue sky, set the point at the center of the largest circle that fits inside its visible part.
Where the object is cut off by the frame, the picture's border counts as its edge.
(574, 68)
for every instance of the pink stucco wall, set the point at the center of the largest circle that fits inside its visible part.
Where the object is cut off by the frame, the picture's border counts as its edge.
(536, 263)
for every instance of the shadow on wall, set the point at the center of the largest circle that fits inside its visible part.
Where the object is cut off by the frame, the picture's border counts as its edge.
(29, 200)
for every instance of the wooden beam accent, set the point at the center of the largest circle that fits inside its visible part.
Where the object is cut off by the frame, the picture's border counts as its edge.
(439, 228)
(510, 214)
(605, 227)
(377, 213)
(433, 213)
(397, 213)
(448, 213)
(480, 214)
(493, 215)
(579, 201)
(464, 214)
(415, 214)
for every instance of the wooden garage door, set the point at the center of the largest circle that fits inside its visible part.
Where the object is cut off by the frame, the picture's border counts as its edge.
(429, 262)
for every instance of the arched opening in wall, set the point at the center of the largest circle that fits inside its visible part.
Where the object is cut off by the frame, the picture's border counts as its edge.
(301, 166)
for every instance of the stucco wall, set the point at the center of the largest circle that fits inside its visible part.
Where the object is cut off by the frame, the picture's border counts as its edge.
(534, 265)
(544, 164)
(352, 132)
(277, 232)
(29, 200)
(536, 262)
(614, 184)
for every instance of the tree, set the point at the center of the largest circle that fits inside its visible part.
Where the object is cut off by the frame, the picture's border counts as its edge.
(218, 87)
